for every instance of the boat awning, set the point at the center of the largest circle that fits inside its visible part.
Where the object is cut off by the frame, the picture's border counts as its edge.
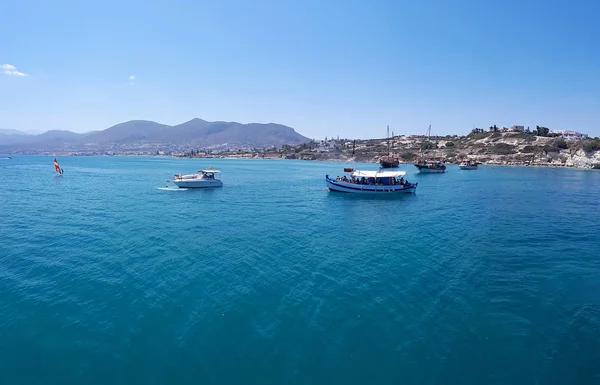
(210, 170)
(378, 174)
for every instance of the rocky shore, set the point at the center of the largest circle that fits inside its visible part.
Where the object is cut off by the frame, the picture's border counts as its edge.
(496, 148)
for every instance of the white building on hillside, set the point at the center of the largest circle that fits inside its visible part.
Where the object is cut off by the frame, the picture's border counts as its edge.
(571, 135)
(517, 129)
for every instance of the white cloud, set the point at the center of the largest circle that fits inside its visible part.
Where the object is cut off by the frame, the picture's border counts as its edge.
(132, 79)
(11, 70)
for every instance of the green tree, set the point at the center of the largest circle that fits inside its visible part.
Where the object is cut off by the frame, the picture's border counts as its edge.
(561, 143)
(542, 131)
(592, 145)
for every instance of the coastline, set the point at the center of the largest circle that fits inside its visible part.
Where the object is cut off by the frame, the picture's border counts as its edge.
(486, 148)
(333, 160)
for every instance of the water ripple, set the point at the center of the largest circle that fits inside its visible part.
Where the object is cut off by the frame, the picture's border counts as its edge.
(482, 277)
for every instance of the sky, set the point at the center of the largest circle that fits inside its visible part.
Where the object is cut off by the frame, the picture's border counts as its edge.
(325, 68)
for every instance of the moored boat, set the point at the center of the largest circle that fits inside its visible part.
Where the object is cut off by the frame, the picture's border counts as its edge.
(389, 161)
(429, 166)
(371, 182)
(468, 165)
(201, 179)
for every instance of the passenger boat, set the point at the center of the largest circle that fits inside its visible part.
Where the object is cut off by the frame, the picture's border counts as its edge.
(468, 165)
(201, 179)
(371, 182)
(428, 166)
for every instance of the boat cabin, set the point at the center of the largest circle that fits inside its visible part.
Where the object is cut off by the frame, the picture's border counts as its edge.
(374, 178)
(209, 173)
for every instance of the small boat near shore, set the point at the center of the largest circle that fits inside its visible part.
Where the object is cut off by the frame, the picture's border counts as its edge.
(389, 161)
(371, 182)
(429, 166)
(201, 179)
(468, 165)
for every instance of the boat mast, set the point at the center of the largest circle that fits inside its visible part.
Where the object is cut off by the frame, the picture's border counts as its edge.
(388, 139)
(428, 140)
(353, 156)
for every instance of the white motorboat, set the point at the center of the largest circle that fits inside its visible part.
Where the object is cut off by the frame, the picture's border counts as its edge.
(371, 182)
(201, 179)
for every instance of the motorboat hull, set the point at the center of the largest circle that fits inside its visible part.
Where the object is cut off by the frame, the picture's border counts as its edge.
(427, 170)
(346, 187)
(468, 167)
(389, 162)
(198, 183)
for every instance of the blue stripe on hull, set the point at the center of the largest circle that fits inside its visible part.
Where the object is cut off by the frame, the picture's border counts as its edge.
(358, 189)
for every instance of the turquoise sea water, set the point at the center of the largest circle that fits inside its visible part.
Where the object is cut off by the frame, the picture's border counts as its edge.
(483, 277)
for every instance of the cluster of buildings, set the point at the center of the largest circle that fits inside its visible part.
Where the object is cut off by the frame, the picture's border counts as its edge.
(570, 135)
(567, 134)
(494, 128)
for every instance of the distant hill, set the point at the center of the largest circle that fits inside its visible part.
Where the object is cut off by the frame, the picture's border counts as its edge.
(196, 133)
(132, 131)
(4, 131)
(202, 133)
(12, 136)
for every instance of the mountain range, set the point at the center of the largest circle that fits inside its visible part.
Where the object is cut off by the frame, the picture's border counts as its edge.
(196, 133)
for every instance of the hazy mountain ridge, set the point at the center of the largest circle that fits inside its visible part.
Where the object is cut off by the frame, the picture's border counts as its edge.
(196, 132)
(12, 136)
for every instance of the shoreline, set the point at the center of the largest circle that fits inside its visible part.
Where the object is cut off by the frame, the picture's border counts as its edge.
(336, 160)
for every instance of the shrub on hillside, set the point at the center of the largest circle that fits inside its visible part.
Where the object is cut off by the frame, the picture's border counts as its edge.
(503, 149)
(449, 144)
(592, 145)
(561, 143)
(550, 148)
(478, 135)
(522, 135)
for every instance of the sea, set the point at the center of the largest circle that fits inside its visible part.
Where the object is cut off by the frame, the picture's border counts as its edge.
(489, 276)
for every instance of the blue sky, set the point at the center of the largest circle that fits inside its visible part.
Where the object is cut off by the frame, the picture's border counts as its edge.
(326, 68)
